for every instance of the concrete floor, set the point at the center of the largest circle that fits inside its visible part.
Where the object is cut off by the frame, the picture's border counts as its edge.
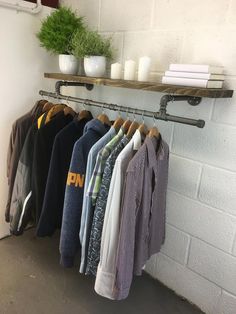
(33, 282)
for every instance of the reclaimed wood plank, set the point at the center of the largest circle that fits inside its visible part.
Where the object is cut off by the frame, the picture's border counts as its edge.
(147, 86)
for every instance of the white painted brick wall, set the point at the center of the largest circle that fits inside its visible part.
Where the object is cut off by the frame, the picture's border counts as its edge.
(217, 188)
(198, 260)
(176, 244)
(187, 283)
(184, 175)
(161, 51)
(215, 144)
(227, 304)
(201, 221)
(119, 15)
(213, 264)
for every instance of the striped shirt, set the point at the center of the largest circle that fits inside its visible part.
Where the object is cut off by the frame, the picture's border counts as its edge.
(96, 179)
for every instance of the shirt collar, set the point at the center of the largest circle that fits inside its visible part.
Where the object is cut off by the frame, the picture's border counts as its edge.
(155, 149)
(97, 126)
(137, 140)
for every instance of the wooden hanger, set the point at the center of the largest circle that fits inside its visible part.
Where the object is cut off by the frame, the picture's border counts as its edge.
(84, 114)
(118, 123)
(69, 110)
(104, 119)
(53, 111)
(143, 129)
(126, 125)
(47, 106)
(133, 127)
(154, 132)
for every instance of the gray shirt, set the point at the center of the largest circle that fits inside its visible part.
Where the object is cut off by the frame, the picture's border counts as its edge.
(142, 229)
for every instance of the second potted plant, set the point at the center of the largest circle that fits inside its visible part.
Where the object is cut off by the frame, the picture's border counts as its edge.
(95, 50)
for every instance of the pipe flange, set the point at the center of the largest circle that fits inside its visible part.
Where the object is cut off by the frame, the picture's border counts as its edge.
(194, 101)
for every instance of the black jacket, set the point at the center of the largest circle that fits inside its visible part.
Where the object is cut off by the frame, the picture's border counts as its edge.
(41, 160)
(51, 215)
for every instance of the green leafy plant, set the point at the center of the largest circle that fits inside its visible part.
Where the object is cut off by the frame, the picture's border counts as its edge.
(57, 30)
(91, 43)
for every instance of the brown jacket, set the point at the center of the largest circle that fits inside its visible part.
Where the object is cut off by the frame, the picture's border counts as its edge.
(17, 138)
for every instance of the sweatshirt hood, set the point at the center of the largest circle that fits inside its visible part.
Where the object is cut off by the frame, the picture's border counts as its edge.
(97, 126)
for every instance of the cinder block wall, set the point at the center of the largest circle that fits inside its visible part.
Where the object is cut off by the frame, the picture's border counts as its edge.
(198, 259)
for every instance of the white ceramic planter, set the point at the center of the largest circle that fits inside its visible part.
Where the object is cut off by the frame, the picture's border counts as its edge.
(95, 66)
(68, 64)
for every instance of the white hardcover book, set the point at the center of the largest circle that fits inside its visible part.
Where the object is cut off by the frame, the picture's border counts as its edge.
(191, 82)
(196, 68)
(195, 75)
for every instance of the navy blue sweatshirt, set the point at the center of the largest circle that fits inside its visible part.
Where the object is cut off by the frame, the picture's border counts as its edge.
(69, 242)
(51, 215)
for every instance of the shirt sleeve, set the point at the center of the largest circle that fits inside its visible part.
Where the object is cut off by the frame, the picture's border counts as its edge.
(69, 241)
(106, 269)
(85, 200)
(52, 197)
(21, 202)
(10, 149)
(93, 177)
(126, 246)
(86, 218)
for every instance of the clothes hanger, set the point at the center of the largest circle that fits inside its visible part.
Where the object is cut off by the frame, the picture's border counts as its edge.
(103, 117)
(154, 132)
(142, 128)
(68, 109)
(84, 114)
(127, 123)
(47, 106)
(118, 122)
(133, 127)
(54, 110)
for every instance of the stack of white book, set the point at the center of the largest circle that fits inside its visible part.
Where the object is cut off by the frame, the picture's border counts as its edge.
(195, 75)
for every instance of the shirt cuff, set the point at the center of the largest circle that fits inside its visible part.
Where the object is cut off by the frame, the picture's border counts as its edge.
(67, 261)
(121, 293)
(104, 283)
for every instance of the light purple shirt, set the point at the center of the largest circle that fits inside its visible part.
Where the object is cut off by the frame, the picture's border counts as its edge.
(142, 229)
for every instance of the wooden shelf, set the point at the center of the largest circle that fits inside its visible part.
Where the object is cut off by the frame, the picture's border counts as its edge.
(147, 86)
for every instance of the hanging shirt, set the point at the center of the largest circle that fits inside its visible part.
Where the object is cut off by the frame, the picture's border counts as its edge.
(51, 215)
(95, 182)
(142, 229)
(69, 241)
(19, 132)
(98, 218)
(42, 155)
(88, 208)
(106, 271)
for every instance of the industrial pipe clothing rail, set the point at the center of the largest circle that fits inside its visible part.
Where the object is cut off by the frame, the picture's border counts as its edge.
(159, 115)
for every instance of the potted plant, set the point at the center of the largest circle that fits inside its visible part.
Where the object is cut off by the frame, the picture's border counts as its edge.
(94, 48)
(55, 36)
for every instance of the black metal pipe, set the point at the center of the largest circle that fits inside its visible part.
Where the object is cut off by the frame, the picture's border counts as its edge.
(160, 115)
(59, 84)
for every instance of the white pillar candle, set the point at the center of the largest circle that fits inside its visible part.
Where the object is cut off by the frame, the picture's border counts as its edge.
(116, 69)
(129, 73)
(144, 68)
